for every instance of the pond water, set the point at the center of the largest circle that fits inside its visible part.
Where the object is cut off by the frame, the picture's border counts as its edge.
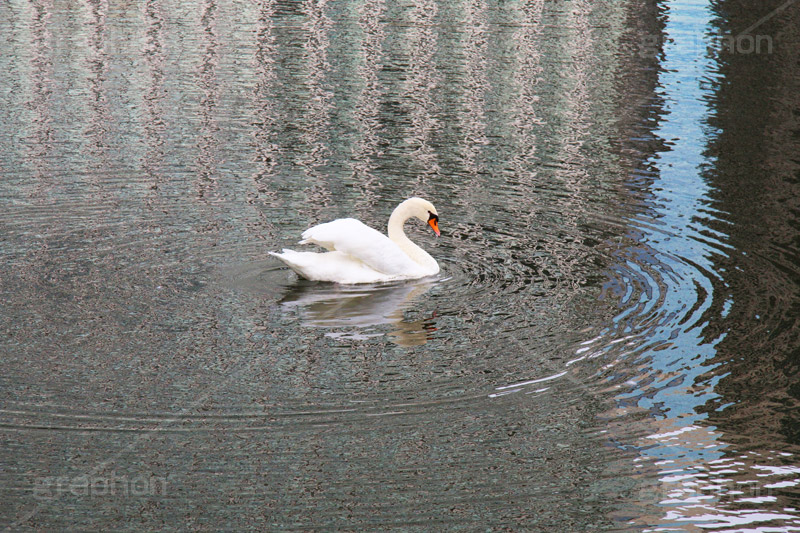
(612, 342)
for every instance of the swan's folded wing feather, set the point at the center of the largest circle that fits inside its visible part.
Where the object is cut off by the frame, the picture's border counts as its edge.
(361, 242)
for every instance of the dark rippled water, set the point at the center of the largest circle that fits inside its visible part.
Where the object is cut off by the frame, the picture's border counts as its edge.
(612, 342)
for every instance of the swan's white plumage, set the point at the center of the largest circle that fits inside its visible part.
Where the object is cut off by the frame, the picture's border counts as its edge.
(360, 254)
(357, 240)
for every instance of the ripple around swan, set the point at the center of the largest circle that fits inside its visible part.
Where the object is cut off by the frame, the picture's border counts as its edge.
(512, 276)
(285, 416)
(657, 299)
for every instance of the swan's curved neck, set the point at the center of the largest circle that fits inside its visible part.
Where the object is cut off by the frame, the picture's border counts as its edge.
(396, 233)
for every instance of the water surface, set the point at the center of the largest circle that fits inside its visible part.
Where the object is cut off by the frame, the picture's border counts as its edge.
(612, 341)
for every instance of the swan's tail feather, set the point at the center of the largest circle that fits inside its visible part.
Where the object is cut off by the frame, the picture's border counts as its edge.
(287, 257)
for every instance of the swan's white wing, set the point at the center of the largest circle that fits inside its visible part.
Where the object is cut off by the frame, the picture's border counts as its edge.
(362, 243)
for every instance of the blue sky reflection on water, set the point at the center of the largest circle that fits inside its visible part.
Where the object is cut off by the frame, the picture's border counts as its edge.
(679, 198)
(688, 454)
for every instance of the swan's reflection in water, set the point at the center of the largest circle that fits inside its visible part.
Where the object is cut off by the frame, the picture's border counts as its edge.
(356, 311)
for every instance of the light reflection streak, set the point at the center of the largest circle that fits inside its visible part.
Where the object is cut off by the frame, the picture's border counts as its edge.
(153, 124)
(41, 136)
(417, 90)
(475, 85)
(366, 149)
(208, 156)
(97, 130)
(316, 106)
(266, 148)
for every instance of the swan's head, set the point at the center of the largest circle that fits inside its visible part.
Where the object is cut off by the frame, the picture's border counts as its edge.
(423, 210)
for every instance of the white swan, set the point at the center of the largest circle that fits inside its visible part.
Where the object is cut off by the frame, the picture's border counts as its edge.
(360, 254)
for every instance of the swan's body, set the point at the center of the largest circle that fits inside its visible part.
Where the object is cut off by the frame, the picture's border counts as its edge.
(360, 254)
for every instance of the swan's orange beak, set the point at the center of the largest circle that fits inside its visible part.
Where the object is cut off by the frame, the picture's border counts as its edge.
(433, 222)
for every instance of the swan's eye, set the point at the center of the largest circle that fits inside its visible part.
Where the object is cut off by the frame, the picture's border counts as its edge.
(433, 217)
